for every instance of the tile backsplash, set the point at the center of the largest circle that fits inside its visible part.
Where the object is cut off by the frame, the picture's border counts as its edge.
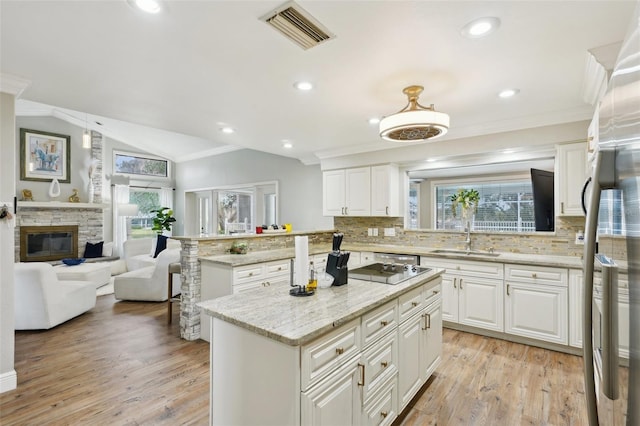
(561, 243)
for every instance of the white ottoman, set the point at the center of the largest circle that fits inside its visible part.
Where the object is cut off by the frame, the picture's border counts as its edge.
(99, 274)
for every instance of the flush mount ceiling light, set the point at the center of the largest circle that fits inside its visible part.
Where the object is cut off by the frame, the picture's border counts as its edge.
(507, 93)
(287, 144)
(303, 85)
(415, 122)
(148, 6)
(480, 27)
(374, 120)
(227, 130)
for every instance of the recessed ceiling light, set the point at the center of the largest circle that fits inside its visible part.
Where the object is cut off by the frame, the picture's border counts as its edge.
(507, 93)
(303, 85)
(431, 160)
(287, 144)
(227, 130)
(374, 120)
(149, 6)
(508, 151)
(480, 27)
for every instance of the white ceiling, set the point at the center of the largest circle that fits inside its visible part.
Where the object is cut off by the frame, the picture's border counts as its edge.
(168, 82)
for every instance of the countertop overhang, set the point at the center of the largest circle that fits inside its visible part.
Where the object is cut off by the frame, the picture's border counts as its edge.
(273, 313)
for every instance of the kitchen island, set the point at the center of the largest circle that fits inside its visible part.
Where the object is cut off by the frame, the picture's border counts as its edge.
(354, 354)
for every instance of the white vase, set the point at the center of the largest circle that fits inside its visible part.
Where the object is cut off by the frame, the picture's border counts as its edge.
(54, 189)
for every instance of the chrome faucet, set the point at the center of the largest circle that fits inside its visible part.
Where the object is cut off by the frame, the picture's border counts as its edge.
(468, 240)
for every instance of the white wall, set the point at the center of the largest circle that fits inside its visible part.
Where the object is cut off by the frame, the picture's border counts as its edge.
(300, 186)
(8, 377)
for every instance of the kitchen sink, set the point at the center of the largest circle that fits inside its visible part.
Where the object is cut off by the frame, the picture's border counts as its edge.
(466, 253)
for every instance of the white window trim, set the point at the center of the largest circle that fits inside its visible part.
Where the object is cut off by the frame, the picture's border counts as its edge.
(467, 180)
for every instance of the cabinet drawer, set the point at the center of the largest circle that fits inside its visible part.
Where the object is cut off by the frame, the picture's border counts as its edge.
(319, 260)
(466, 267)
(379, 322)
(380, 361)
(383, 407)
(410, 303)
(276, 269)
(249, 286)
(537, 274)
(247, 273)
(324, 355)
(432, 293)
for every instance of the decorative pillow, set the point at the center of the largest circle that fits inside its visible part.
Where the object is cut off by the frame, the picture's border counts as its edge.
(160, 245)
(93, 250)
(107, 249)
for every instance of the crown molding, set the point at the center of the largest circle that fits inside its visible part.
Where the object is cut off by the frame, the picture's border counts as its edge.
(12, 84)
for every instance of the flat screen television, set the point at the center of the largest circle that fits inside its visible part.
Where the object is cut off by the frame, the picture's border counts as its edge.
(543, 201)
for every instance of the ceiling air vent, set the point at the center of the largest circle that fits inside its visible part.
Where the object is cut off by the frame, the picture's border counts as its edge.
(297, 25)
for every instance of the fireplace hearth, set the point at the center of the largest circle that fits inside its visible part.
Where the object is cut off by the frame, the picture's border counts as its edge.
(48, 243)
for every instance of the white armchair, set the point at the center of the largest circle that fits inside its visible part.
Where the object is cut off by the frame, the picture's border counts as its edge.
(148, 283)
(42, 301)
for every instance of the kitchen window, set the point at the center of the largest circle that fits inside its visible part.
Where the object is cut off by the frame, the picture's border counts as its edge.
(505, 205)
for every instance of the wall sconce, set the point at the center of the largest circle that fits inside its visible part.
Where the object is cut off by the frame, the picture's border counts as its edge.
(86, 136)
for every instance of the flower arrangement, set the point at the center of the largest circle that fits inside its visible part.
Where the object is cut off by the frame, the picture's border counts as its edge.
(163, 221)
(467, 198)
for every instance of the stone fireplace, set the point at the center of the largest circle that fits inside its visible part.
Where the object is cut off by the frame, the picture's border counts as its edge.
(47, 243)
(83, 221)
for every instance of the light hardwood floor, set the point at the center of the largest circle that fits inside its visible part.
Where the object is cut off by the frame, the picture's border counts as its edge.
(121, 364)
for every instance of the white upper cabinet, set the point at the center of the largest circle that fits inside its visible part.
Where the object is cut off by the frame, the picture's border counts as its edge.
(358, 192)
(385, 194)
(333, 193)
(361, 191)
(570, 175)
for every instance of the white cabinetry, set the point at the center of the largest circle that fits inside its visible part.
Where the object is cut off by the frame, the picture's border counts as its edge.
(220, 280)
(347, 192)
(385, 192)
(536, 302)
(575, 307)
(361, 191)
(570, 174)
(357, 258)
(420, 340)
(471, 292)
(352, 375)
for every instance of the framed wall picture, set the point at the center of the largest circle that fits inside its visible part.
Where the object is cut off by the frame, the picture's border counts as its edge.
(44, 156)
(137, 165)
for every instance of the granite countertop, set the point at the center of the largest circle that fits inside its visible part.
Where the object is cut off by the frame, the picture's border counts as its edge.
(273, 313)
(504, 257)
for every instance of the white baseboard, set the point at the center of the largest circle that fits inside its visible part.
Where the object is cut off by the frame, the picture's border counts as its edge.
(8, 381)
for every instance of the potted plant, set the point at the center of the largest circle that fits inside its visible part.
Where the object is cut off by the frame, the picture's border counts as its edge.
(468, 201)
(163, 220)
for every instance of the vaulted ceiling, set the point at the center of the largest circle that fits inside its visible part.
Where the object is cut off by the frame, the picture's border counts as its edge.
(169, 82)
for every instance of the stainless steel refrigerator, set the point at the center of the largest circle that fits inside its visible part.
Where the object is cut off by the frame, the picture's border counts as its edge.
(611, 308)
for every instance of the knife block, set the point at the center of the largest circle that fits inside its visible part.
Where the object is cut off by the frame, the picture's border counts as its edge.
(340, 275)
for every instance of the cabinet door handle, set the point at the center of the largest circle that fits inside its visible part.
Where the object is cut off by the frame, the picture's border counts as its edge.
(508, 293)
(279, 268)
(250, 274)
(339, 351)
(384, 414)
(455, 280)
(427, 321)
(386, 210)
(435, 292)
(384, 323)
(562, 207)
(534, 275)
(361, 367)
(460, 283)
(414, 304)
(384, 364)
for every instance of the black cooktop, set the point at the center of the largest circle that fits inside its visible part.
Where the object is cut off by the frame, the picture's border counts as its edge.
(387, 273)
